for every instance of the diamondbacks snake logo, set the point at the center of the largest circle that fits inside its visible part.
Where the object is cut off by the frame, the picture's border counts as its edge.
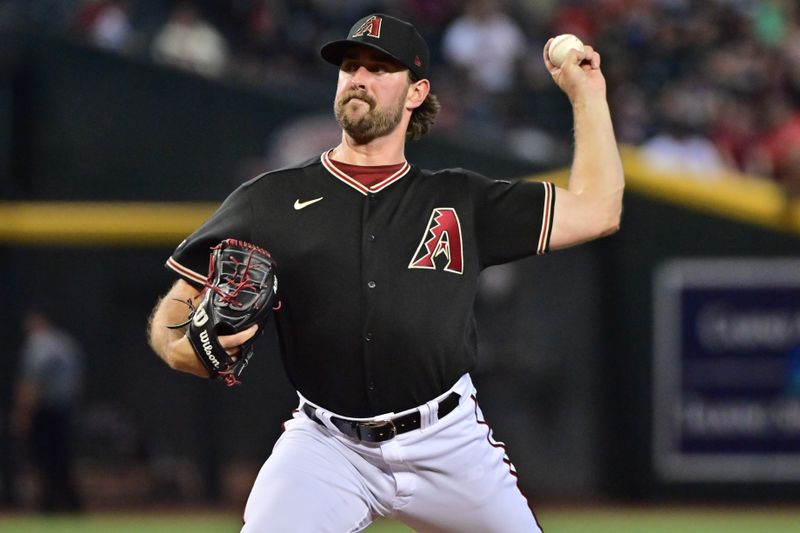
(441, 238)
(370, 28)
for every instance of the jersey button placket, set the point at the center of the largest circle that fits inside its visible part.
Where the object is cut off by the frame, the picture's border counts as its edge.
(369, 291)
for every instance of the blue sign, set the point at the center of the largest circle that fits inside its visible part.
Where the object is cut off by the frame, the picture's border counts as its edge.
(727, 370)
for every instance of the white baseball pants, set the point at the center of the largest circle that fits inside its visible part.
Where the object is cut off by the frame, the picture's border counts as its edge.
(448, 476)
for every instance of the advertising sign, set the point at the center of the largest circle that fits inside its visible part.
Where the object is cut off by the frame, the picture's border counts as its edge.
(727, 370)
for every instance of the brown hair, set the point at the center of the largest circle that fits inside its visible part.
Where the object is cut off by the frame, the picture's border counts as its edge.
(423, 117)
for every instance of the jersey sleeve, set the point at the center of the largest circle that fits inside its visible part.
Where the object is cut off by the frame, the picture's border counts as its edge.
(231, 220)
(513, 219)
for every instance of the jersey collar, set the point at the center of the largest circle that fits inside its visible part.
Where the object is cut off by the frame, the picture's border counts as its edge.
(354, 183)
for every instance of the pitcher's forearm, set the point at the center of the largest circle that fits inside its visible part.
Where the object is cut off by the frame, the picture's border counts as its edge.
(597, 167)
(171, 344)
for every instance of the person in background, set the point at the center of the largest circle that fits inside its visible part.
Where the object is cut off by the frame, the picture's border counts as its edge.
(190, 42)
(46, 392)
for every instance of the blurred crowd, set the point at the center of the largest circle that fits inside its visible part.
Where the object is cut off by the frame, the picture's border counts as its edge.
(702, 86)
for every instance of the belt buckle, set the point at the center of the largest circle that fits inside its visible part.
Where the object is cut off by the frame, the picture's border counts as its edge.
(380, 425)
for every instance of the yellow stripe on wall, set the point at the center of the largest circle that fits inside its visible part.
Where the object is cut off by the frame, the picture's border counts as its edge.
(100, 223)
(754, 200)
(751, 200)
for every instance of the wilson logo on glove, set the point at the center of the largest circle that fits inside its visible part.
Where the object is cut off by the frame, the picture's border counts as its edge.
(200, 318)
(208, 349)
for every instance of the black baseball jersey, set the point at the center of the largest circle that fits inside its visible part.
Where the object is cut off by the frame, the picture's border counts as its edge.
(376, 285)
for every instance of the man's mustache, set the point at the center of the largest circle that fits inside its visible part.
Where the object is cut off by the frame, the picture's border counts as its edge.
(361, 95)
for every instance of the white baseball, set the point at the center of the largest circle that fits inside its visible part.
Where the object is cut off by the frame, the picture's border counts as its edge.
(561, 45)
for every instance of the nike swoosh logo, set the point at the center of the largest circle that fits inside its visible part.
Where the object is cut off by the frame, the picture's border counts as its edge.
(298, 205)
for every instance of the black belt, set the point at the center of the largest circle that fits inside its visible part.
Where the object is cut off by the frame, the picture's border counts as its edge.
(381, 430)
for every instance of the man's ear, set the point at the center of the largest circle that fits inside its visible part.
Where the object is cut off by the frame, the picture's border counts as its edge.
(417, 93)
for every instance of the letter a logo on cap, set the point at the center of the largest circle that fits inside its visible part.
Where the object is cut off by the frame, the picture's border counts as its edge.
(371, 28)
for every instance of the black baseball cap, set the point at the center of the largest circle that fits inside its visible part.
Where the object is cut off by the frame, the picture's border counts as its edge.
(392, 36)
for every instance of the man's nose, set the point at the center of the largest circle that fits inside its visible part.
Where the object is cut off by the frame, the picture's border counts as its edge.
(359, 78)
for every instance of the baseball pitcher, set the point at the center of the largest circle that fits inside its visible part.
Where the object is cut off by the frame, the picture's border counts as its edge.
(369, 266)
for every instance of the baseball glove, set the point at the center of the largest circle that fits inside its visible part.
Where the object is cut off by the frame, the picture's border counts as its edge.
(239, 292)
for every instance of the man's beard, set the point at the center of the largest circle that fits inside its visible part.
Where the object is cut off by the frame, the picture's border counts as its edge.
(375, 123)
